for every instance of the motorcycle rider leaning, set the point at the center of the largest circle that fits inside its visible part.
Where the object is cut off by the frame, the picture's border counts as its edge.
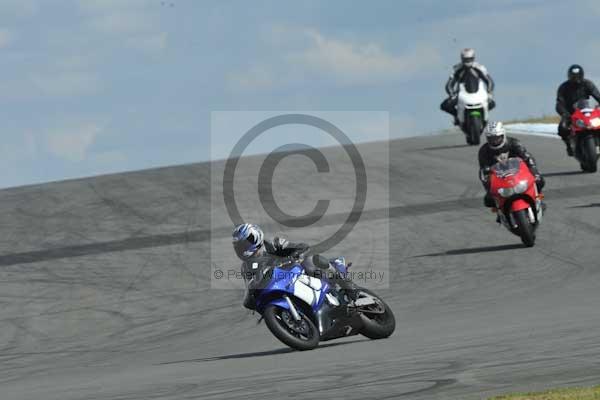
(257, 254)
(459, 71)
(575, 88)
(500, 144)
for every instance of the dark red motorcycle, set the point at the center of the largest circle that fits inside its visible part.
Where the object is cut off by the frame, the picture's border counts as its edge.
(585, 134)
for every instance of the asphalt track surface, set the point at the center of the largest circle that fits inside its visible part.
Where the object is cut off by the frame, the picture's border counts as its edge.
(105, 289)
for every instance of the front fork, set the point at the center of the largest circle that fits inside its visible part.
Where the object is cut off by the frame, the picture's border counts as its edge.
(510, 223)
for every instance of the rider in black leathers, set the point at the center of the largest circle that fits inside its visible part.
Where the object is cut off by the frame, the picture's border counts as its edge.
(498, 143)
(257, 254)
(570, 92)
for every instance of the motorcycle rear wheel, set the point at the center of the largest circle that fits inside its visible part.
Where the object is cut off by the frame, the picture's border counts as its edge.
(378, 326)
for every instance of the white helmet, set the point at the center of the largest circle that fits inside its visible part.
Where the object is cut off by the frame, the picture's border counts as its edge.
(495, 134)
(467, 57)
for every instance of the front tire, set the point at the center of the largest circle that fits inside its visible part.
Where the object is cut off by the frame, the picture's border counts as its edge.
(378, 326)
(300, 335)
(590, 154)
(524, 228)
(474, 130)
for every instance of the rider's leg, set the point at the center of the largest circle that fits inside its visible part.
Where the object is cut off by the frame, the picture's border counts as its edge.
(564, 133)
(449, 106)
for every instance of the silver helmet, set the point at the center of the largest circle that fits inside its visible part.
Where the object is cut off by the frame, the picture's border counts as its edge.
(495, 134)
(467, 57)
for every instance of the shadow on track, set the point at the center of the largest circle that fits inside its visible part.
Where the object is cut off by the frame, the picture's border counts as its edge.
(563, 173)
(454, 146)
(591, 205)
(474, 250)
(283, 350)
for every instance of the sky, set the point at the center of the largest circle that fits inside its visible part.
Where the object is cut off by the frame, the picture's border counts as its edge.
(100, 86)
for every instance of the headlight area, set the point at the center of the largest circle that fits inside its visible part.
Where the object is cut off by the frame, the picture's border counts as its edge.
(521, 186)
(580, 123)
(506, 192)
(517, 189)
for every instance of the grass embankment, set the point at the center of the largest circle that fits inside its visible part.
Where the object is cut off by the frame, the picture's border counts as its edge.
(545, 119)
(589, 393)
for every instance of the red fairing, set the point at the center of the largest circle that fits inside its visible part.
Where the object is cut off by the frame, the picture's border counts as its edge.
(585, 120)
(508, 180)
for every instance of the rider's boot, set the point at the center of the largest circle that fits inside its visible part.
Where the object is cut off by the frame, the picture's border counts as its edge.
(570, 151)
(249, 300)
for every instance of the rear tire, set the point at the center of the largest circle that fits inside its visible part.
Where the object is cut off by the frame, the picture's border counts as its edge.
(590, 154)
(280, 322)
(378, 326)
(524, 228)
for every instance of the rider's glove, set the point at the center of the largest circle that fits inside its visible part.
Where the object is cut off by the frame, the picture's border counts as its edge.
(540, 181)
(491, 103)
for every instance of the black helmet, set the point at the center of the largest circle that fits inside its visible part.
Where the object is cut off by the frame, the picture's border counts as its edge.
(575, 73)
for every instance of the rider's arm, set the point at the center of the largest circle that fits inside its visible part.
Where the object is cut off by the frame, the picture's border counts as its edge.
(491, 84)
(281, 247)
(484, 166)
(487, 78)
(450, 90)
(593, 90)
(561, 106)
(520, 151)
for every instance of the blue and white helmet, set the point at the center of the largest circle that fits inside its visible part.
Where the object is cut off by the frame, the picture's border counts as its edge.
(247, 240)
(495, 134)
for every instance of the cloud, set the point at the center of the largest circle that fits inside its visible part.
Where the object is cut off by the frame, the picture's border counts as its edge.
(257, 77)
(306, 55)
(30, 144)
(6, 38)
(133, 23)
(73, 144)
(151, 42)
(111, 6)
(66, 83)
(362, 63)
(125, 23)
(17, 9)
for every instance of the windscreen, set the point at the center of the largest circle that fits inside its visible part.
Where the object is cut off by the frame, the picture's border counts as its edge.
(584, 104)
(507, 168)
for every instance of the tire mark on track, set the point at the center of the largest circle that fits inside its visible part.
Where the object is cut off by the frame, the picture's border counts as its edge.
(203, 235)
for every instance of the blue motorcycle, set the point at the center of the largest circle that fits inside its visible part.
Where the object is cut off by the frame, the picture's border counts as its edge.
(301, 309)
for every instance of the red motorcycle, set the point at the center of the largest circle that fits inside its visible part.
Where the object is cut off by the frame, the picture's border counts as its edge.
(518, 203)
(585, 134)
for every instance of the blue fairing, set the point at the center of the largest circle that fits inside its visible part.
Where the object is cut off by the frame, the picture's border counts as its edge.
(282, 282)
(279, 302)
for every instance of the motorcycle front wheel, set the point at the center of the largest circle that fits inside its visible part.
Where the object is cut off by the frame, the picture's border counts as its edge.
(590, 154)
(475, 129)
(299, 335)
(524, 228)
